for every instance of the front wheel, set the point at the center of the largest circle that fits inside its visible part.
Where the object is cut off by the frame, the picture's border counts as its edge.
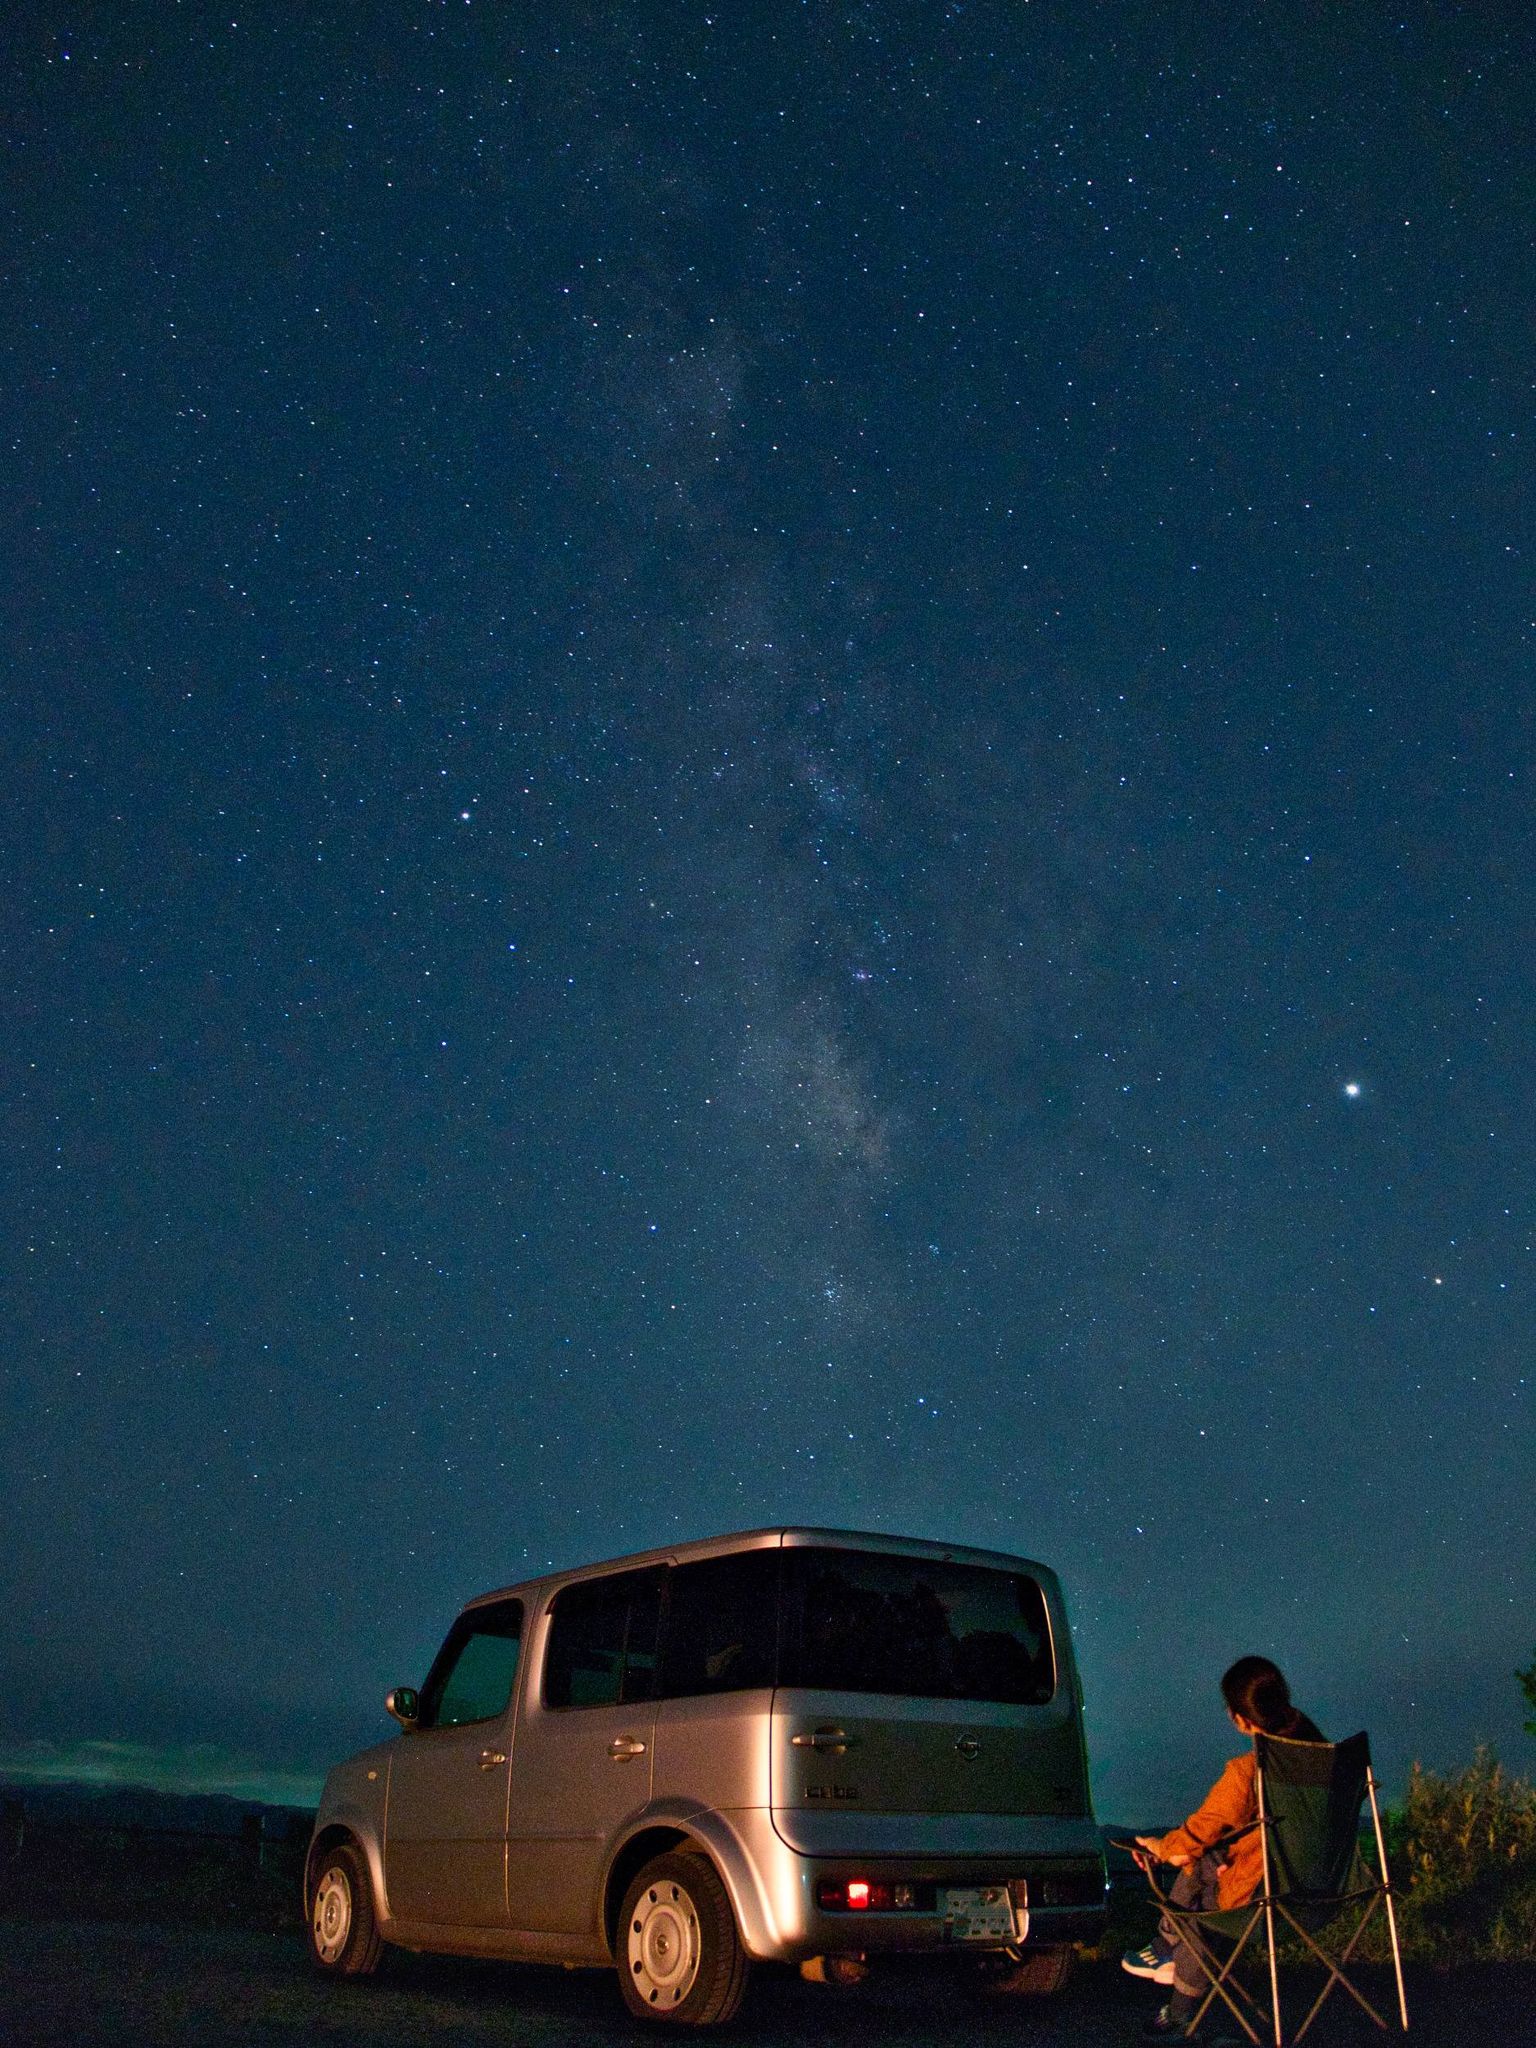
(344, 1937)
(679, 1956)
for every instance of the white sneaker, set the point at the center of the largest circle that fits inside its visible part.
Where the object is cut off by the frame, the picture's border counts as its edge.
(1148, 1962)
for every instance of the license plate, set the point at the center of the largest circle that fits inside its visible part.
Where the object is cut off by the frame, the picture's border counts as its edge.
(977, 1913)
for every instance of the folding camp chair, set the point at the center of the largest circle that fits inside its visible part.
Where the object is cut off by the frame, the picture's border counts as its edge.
(1310, 1799)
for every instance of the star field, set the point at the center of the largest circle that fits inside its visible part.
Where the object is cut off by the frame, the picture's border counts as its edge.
(767, 764)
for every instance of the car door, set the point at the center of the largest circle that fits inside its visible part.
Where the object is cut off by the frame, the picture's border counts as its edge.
(584, 1748)
(719, 1653)
(445, 1826)
(914, 1686)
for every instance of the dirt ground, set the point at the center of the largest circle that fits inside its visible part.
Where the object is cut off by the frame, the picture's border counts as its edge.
(93, 1984)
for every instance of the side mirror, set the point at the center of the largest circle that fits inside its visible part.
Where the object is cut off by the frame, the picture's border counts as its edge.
(404, 1704)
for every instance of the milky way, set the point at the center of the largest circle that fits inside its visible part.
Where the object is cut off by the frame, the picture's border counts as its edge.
(764, 767)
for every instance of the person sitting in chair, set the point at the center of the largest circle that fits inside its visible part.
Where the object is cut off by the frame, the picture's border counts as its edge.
(1259, 1702)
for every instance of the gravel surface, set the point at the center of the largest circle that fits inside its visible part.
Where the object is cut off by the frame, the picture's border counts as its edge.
(92, 1984)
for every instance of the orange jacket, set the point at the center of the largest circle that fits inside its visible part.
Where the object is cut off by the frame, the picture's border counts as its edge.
(1232, 1802)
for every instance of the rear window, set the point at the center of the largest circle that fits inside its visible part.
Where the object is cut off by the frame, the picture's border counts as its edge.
(872, 1621)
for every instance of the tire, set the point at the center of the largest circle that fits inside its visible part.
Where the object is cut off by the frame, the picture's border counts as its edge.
(344, 1937)
(679, 1957)
(1038, 1973)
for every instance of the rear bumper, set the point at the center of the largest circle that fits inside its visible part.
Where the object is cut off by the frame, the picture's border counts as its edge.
(775, 1888)
(925, 1933)
(916, 1934)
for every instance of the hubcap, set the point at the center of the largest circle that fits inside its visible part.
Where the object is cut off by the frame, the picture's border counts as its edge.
(332, 1919)
(663, 1945)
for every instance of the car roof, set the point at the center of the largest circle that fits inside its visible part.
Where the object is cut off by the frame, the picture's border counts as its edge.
(788, 1537)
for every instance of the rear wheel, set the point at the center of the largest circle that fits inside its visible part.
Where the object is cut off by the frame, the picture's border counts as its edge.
(344, 1937)
(1037, 1973)
(679, 1956)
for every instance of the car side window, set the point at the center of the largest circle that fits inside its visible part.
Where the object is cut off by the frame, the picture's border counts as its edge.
(602, 1641)
(473, 1673)
(721, 1631)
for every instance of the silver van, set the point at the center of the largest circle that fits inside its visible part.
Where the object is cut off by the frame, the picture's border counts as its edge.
(789, 1745)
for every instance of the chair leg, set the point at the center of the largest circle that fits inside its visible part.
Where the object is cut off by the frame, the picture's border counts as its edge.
(1386, 1888)
(1220, 1988)
(1397, 1963)
(1336, 1973)
(1220, 1980)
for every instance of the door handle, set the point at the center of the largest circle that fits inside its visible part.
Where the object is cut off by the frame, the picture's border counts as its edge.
(490, 1758)
(623, 1747)
(825, 1741)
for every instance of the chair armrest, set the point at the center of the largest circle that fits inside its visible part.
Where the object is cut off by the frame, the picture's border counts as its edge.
(1145, 1858)
(1236, 1834)
(1220, 1842)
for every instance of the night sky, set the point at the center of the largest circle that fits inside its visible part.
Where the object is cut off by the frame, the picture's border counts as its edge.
(765, 763)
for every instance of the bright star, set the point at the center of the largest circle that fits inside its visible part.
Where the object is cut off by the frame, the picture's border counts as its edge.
(1351, 1089)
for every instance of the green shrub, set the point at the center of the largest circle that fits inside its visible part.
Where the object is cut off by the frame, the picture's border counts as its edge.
(1463, 1854)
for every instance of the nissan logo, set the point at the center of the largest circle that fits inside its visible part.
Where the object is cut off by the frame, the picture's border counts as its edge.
(969, 1748)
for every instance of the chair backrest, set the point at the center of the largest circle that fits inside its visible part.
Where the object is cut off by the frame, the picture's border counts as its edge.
(1313, 1795)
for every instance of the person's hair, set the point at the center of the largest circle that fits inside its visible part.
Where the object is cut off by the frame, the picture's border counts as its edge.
(1256, 1689)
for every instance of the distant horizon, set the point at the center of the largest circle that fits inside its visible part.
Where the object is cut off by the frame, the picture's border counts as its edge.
(200, 1773)
(251, 1794)
(213, 1771)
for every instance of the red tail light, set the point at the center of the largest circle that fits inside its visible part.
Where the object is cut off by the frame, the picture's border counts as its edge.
(872, 1895)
